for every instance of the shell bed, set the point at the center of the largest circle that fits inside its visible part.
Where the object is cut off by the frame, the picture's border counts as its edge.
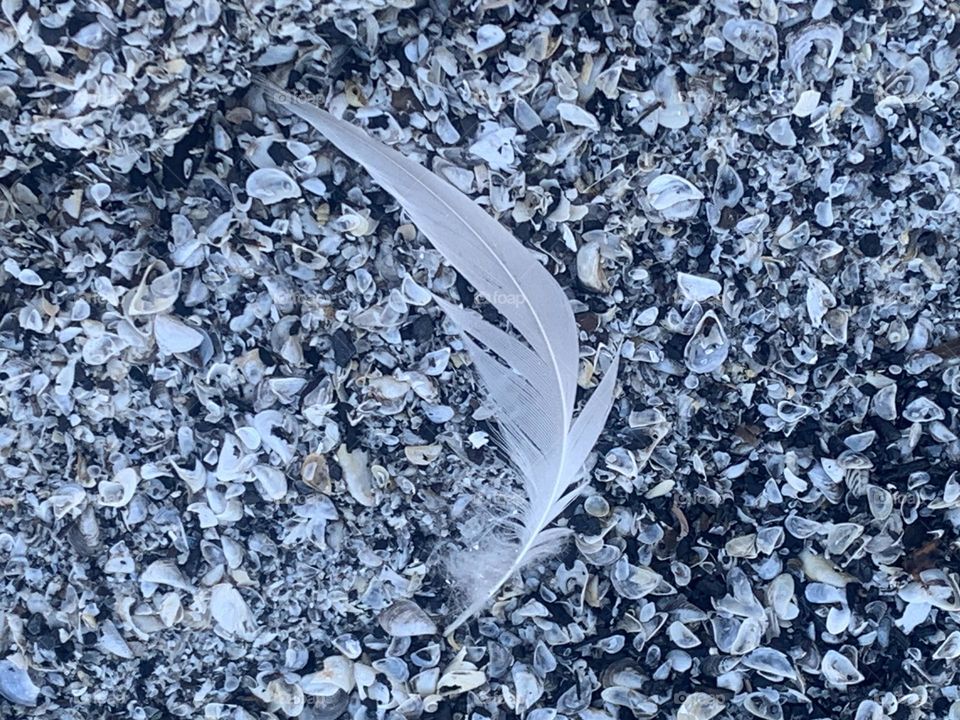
(238, 439)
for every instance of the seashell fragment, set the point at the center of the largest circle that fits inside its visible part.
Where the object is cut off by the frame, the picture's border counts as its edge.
(16, 684)
(754, 38)
(764, 704)
(165, 572)
(528, 688)
(230, 610)
(101, 349)
(271, 482)
(405, 619)
(634, 582)
(838, 670)
(771, 663)
(422, 455)
(357, 475)
(84, 534)
(728, 187)
(708, 347)
(119, 491)
(281, 695)
(157, 296)
(806, 103)
(700, 706)
(589, 267)
(337, 676)
(271, 185)
(674, 197)
(112, 641)
(696, 288)
(673, 111)
(576, 115)
(782, 133)
(802, 42)
(949, 649)
(817, 567)
(174, 336)
(781, 596)
(488, 37)
(923, 410)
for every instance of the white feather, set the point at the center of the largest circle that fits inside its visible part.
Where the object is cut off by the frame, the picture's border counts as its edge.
(534, 402)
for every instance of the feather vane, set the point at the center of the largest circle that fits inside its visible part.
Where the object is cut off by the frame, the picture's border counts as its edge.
(531, 382)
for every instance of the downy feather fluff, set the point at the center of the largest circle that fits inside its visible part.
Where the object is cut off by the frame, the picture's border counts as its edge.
(534, 403)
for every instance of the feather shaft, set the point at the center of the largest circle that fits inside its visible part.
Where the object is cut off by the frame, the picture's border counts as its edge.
(532, 383)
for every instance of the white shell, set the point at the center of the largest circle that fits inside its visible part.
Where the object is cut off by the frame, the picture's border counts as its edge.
(271, 482)
(576, 115)
(950, 648)
(174, 336)
(405, 619)
(16, 684)
(271, 185)
(754, 38)
(119, 491)
(165, 572)
(708, 348)
(817, 567)
(700, 706)
(337, 676)
(422, 455)
(488, 36)
(771, 663)
(838, 670)
(357, 475)
(229, 609)
(674, 197)
(589, 267)
(697, 288)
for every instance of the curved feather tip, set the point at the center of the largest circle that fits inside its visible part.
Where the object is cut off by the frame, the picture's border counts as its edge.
(531, 379)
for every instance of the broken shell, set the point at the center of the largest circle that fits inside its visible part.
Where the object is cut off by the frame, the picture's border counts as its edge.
(174, 336)
(923, 410)
(838, 670)
(84, 534)
(754, 38)
(950, 648)
(802, 42)
(674, 197)
(781, 594)
(119, 491)
(422, 455)
(633, 582)
(271, 482)
(589, 268)
(708, 347)
(764, 704)
(405, 619)
(357, 475)
(165, 572)
(699, 706)
(817, 567)
(337, 676)
(695, 288)
(728, 187)
(682, 636)
(770, 663)
(229, 609)
(16, 684)
(157, 296)
(271, 185)
(315, 473)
